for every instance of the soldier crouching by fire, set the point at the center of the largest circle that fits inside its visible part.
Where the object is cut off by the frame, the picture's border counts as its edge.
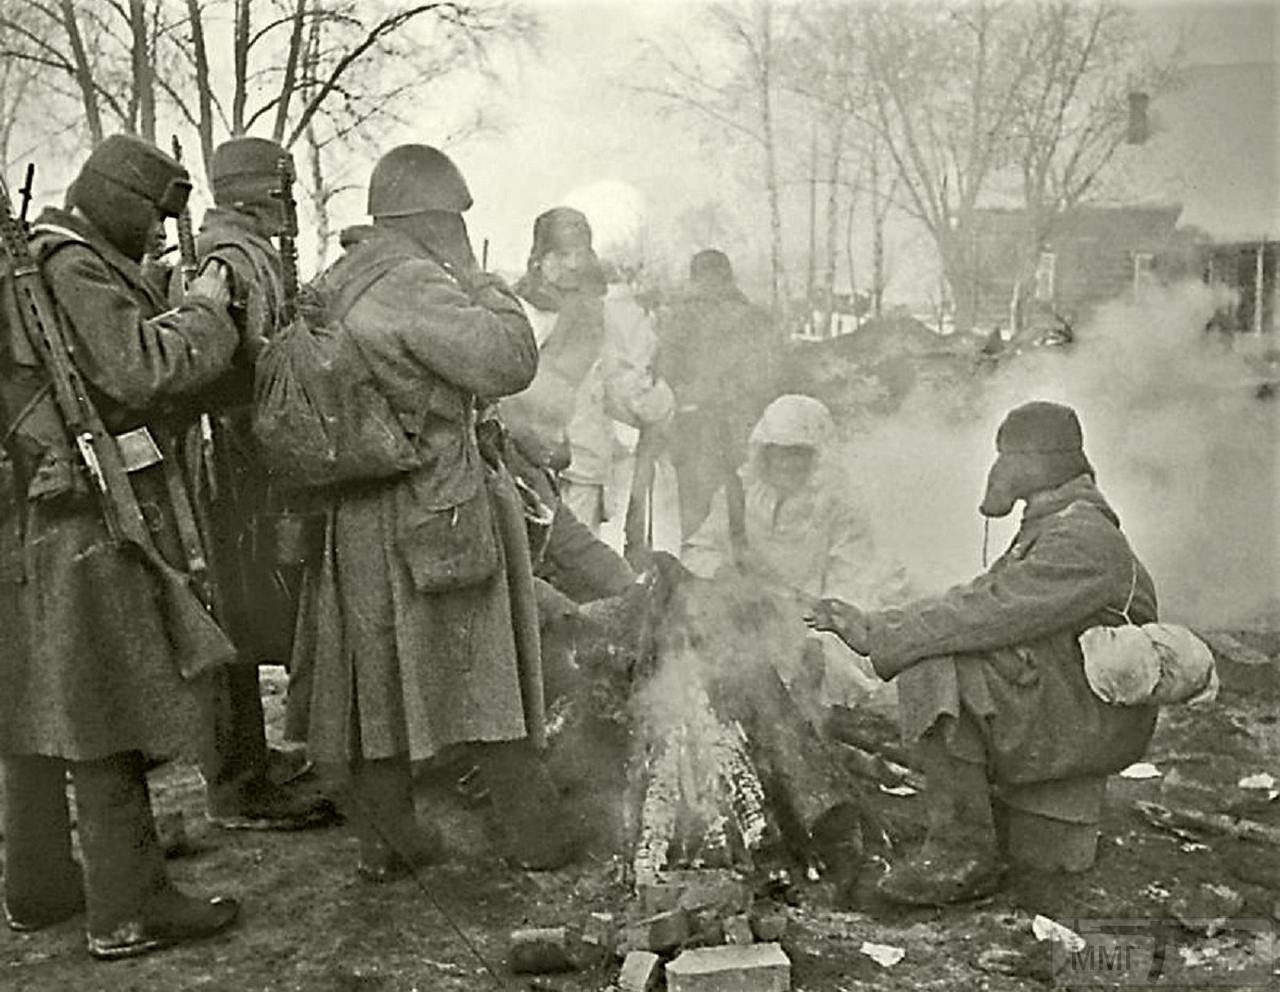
(93, 679)
(991, 675)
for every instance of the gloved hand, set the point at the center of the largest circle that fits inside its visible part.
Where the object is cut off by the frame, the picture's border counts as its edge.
(490, 291)
(842, 619)
(212, 284)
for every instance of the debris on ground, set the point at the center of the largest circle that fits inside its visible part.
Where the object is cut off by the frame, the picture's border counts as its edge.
(1204, 908)
(730, 968)
(1141, 770)
(1053, 932)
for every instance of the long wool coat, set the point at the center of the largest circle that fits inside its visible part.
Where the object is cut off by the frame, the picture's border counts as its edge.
(229, 483)
(86, 669)
(381, 668)
(1004, 647)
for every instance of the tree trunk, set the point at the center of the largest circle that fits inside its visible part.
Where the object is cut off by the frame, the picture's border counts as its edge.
(764, 80)
(83, 74)
(143, 101)
(290, 71)
(877, 236)
(959, 268)
(315, 149)
(833, 225)
(240, 59)
(811, 262)
(203, 83)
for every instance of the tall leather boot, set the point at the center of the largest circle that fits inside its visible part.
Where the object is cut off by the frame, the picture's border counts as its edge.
(531, 822)
(42, 882)
(133, 907)
(392, 842)
(960, 858)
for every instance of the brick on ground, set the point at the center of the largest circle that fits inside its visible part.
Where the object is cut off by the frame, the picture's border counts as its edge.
(540, 950)
(737, 930)
(640, 972)
(731, 968)
(660, 932)
(696, 888)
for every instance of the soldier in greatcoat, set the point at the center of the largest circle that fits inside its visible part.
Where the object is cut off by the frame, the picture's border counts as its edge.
(90, 682)
(419, 629)
(242, 514)
(991, 674)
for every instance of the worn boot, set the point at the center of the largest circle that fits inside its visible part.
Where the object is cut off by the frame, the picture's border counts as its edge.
(532, 824)
(959, 860)
(392, 842)
(43, 885)
(133, 907)
(234, 762)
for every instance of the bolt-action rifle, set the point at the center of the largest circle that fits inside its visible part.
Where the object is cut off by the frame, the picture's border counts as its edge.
(288, 242)
(28, 184)
(186, 237)
(197, 640)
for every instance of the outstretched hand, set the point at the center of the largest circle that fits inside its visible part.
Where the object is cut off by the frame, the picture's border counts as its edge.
(843, 619)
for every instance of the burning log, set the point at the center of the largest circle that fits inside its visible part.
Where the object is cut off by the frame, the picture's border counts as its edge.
(722, 764)
(729, 764)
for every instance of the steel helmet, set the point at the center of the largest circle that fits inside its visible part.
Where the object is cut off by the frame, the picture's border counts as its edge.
(413, 178)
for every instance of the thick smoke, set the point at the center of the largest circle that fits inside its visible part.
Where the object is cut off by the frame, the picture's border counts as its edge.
(1184, 451)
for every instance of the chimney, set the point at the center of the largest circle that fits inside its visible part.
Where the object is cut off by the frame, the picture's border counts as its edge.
(1139, 126)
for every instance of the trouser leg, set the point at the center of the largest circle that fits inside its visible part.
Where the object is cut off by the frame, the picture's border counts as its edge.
(380, 808)
(234, 762)
(957, 790)
(133, 908)
(532, 824)
(959, 859)
(234, 752)
(42, 882)
(123, 864)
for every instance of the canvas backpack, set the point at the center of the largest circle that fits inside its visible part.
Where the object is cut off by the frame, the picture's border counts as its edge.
(319, 416)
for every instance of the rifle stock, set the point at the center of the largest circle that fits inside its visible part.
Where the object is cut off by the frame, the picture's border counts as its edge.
(195, 637)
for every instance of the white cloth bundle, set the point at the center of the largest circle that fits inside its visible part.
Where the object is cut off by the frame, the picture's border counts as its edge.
(1156, 663)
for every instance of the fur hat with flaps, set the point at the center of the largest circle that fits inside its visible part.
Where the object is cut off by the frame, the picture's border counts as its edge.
(122, 184)
(1039, 446)
(246, 170)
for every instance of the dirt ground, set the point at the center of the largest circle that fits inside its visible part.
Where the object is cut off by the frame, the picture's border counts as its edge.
(310, 924)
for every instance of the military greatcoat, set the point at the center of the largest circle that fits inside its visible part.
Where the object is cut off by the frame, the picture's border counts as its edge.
(86, 669)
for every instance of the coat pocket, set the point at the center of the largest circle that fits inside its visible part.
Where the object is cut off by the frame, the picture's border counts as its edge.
(453, 548)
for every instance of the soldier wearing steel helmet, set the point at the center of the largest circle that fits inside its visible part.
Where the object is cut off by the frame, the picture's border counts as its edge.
(419, 633)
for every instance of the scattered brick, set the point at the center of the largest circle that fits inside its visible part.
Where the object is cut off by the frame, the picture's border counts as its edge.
(750, 968)
(769, 925)
(639, 972)
(737, 930)
(539, 951)
(660, 932)
(696, 888)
